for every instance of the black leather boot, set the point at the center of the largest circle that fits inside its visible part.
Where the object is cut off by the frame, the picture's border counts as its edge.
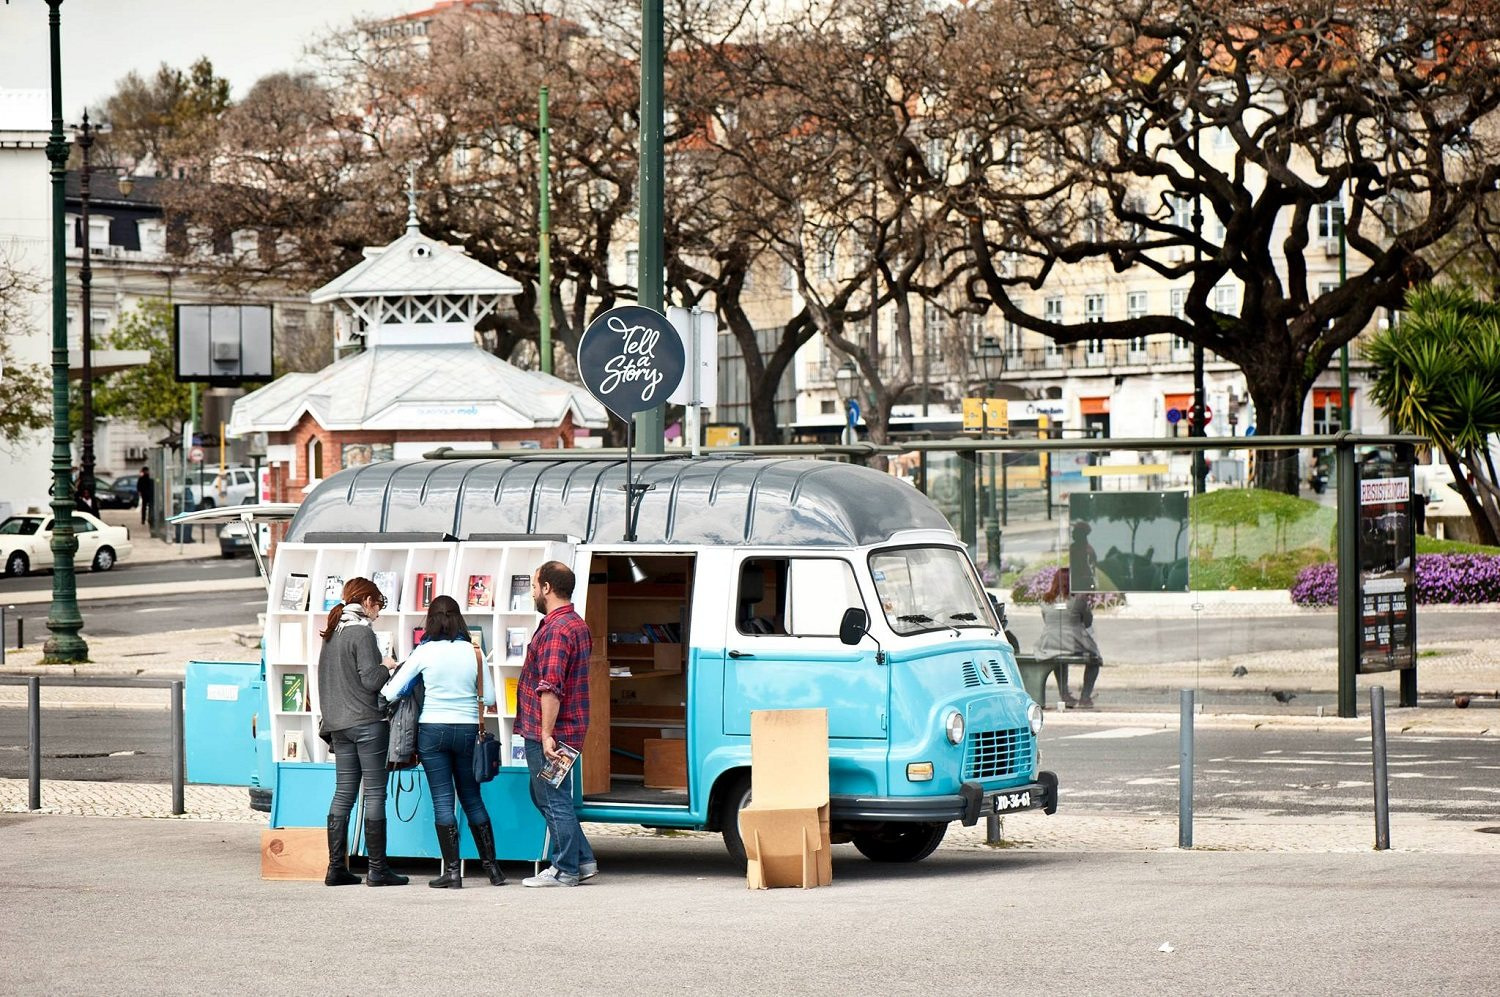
(380, 873)
(453, 866)
(484, 840)
(338, 854)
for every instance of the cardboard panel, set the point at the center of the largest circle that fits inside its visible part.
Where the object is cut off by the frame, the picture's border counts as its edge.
(666, 763)
(294, 853)
(789, 758)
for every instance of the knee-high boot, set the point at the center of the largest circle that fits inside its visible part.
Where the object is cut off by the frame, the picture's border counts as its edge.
(380, 872)
(338, 854)
(484, 839)
(452, 877)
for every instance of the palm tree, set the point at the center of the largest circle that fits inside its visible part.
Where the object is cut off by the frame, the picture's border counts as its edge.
(1438, 375)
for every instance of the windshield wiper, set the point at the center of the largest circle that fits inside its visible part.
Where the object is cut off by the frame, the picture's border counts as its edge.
(962, 616)
(914, 618)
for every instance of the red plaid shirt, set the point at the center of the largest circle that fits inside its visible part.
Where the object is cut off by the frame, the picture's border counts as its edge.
(557, 661)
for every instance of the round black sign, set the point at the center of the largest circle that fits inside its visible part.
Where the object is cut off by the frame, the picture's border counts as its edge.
(630, 358)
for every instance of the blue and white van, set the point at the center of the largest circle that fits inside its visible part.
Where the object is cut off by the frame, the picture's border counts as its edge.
(751, 584)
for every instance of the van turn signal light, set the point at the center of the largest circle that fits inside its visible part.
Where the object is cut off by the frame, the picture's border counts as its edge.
(919, 772)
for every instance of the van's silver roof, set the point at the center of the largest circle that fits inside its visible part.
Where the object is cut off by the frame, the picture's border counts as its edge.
(709, 500)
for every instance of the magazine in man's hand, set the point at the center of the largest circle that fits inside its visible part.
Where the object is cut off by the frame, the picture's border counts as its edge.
(557, 769)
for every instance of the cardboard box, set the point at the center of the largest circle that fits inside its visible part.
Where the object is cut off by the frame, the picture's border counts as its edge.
(785, 827)
(666, 763)
(294, 853)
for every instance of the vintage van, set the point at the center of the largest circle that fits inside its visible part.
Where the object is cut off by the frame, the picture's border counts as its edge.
(751, 584)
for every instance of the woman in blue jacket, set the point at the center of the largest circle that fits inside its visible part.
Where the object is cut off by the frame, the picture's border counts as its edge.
(451, 670)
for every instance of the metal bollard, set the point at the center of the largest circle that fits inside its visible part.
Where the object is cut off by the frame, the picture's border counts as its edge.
(178, 805)
(34, 742)
(992, 833)
(20, 633)
(1382, 783)
(1185, 772)
(2, 635)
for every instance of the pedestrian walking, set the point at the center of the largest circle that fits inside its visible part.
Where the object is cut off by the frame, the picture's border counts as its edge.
(451, 669)
(552, 707)
(145, 491)
(351, 672)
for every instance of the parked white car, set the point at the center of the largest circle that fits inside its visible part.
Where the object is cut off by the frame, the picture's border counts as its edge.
(26, 543)
(232, 486)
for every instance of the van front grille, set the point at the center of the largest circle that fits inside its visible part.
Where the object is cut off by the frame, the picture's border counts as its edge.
(992, 754)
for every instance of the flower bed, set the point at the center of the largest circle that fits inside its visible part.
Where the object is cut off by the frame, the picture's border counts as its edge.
(1031, 587)
(1441, 578)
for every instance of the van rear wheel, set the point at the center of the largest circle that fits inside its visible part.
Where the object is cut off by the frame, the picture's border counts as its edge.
(736, 798)
(900, 842)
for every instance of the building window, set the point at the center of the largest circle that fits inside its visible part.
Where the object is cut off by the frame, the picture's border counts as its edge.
(632, 266)
(935, 320)
(1330, 221)
(1179, 302)
(1052, 309)
(1093, 308)
(1012, 338)
(1135, 305)
(828, 257)
(1094, 347)
(1225, 296)
(1182, 211)
(315, 459)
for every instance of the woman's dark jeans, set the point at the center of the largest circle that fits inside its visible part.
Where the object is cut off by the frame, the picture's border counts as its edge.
(447, 753)
(359, 752)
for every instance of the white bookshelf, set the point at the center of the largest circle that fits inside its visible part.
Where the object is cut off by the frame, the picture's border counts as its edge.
(293, 639)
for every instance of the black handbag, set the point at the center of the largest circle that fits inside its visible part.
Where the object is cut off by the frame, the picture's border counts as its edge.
(486, 756)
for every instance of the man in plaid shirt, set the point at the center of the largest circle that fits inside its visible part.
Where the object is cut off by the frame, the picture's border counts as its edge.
(552, 705)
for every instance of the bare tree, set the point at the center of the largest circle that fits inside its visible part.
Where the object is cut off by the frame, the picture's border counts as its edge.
(1103, 123)
(25, 388)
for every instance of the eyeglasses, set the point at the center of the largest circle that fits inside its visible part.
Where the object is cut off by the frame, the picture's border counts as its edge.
(379, 600)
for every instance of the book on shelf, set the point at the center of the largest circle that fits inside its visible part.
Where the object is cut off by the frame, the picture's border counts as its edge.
(426, 589)
(479, 633)
(333, 591)
(512, 691)
(292, 747)
(518, 749)
(294, 693)
(387, 642)
(557, 769)
(481, 591)
(294, 592)
(289, 642)
(515, 642)
(389, 583)
(520, 594)
(417, 633)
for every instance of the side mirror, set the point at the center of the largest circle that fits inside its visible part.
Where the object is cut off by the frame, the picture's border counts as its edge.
(854, 626)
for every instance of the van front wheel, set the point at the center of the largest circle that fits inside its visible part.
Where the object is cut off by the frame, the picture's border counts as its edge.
(736, 798)
(900, 842)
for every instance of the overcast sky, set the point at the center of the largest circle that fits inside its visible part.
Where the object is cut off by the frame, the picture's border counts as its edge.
(102, 40)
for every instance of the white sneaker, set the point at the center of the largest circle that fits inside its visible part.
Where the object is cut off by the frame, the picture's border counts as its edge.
(550, 876)
(587, 871)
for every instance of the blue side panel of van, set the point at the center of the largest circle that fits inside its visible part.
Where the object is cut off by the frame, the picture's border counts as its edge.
(304, 789)
(852, 687)
(223, 703)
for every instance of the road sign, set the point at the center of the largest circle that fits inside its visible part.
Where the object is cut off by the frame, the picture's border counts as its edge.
(854, 411)
(196, 455)
(1174, 416)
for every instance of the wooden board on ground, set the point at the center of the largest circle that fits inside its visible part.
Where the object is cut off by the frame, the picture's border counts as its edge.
(294, 853)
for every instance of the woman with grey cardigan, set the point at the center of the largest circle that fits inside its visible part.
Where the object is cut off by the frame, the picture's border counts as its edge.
(351, 670)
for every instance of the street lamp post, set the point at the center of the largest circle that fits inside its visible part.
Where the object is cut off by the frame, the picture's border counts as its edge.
(65, 646)
(991, 364)
(86, 306)
(847, 380)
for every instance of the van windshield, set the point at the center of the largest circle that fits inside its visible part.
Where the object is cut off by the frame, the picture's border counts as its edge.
(929, 588)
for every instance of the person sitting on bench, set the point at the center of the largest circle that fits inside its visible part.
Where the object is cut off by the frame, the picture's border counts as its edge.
(1067, 633)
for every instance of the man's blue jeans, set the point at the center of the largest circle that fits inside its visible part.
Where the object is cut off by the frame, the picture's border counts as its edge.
(569, 847)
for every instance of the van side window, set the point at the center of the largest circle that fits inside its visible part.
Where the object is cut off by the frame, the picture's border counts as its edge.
(803, 596)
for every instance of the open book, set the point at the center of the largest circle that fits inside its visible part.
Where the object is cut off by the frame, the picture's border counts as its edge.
(557, 769)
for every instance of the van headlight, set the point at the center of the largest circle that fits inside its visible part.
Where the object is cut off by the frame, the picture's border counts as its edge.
(953, 726)
(1034, 718)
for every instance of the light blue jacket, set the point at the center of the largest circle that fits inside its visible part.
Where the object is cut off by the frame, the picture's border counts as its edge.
(449, 673)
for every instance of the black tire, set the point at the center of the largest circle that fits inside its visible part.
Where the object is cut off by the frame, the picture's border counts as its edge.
(900, 842)
(17, 564)
(260, 799)
(206, 503)
(736, 798)
(104, 559)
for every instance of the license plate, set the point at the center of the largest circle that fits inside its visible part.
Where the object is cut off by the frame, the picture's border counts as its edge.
(1013, 801)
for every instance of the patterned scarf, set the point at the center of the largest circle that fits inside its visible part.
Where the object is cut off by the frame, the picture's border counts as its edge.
(353, 615)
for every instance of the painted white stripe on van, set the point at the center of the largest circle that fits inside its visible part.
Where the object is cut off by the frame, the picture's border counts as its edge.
(1116, 733)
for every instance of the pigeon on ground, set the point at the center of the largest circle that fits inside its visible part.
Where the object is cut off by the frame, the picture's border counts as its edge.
(1282, 696)
(1240, 671)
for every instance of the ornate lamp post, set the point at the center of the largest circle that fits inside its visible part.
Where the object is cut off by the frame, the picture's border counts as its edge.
(991, 360)
(85, 142)
(65, 645)
(847, 380)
